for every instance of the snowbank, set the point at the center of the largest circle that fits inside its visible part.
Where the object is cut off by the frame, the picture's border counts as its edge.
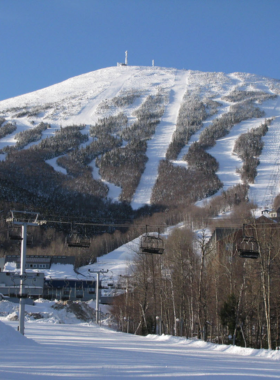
(236, 350)
(9, 336)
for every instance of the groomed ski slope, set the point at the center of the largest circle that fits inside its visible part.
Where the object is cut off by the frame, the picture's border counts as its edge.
(87, 351)
(79, 100)
(160, 141)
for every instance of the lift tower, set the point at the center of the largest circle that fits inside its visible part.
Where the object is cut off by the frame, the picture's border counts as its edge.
(97, 290)
(23, 219)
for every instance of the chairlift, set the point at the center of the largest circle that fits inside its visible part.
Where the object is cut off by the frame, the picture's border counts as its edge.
(248, 248)
(14, 235)
(151, 244)
(29, 241)
(76, 240)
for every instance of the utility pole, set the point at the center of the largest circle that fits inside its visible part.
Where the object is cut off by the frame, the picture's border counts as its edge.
(24, 219)
(97, 290)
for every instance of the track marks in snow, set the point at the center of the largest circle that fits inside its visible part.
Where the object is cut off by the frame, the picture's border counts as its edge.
(83, 351)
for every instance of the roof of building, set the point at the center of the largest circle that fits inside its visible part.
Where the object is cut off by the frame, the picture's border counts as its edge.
(47, 259)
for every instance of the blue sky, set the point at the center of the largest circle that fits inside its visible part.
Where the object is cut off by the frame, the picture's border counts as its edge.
(44, 42)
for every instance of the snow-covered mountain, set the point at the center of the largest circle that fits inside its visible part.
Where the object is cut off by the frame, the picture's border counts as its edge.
(129, 133)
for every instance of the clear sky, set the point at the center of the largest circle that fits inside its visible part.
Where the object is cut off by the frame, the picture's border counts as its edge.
(44, 42)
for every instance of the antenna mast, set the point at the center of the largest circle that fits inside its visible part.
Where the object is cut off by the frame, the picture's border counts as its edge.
(125, 58)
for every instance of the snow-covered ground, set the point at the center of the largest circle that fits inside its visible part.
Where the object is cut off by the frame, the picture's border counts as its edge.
(267, 182)
(86, 98)
(158, 145)
(86, 351)
(115, 263)
(118, 261)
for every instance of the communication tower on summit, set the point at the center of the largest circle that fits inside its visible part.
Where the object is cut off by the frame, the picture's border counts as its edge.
(125, 62)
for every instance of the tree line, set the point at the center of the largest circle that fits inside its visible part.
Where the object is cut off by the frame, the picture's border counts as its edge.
(204, 289)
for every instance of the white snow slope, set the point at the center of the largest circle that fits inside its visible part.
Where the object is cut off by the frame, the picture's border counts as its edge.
(116, 264)
(86, 351)
(79, 100)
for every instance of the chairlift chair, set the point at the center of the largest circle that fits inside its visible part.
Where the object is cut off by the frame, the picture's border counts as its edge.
(76, 240)
(29, 241)
(248, 248)
(14, 235)
(151, 244)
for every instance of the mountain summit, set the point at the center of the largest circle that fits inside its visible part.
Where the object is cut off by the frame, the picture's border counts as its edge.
(141, 136)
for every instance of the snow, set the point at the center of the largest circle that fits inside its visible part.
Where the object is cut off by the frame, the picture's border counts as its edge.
(222, 151)
(10, 337)
(115, 264)
(54, 164)
(159, 143)
(82, 351)
(260, 192)
(114, 191)
(60, 271)
(10, 267)
(59, 345)
(78, 101)
(118, 262)
(56, 270)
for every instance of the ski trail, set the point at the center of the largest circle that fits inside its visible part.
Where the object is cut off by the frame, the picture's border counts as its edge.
(114, 191)
(228, 162)
(259, 192)
(223, 149)
(160, 141)
(195, 137)
(88, 114)
(265, 188)
(224, 108)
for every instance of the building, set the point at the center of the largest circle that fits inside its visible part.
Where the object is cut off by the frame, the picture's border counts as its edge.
(40, 287)
(274, 214)
(69, 289)
(39, 261)
(10, 285)
(225, 241)
(45, 287)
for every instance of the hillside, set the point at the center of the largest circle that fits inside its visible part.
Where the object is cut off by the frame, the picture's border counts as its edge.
(140, 136)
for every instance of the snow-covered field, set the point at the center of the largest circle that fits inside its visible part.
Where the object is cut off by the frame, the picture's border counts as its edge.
(86, 351)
